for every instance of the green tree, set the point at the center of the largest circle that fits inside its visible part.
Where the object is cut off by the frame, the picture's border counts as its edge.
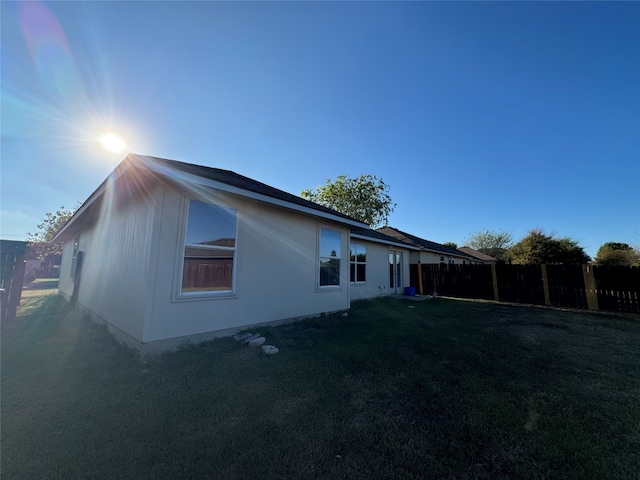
(40, 241)
(489, 242)
(451, 245)
(617, 254)
(365, 198)
(538, 247)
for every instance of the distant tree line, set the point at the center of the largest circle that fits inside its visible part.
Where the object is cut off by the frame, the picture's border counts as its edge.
(538, 247)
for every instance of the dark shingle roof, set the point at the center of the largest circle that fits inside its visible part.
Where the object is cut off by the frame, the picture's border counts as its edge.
(236, 180)
(13, 246)
(172, 169)
(422, 243)
(376, 235)
(479, 255)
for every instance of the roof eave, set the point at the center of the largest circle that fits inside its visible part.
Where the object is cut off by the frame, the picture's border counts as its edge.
(385, 242)
(189, 177)
(114, 175)
(142, 162)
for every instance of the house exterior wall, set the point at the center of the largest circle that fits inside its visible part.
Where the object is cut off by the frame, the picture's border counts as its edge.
(276, 271)
(377, 270)
(65, 282)
(114, 282)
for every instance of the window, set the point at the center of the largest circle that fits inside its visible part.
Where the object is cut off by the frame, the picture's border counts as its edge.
(452, 261)
(209, 249)
(358, 263)
(329, 257)
(74, 257)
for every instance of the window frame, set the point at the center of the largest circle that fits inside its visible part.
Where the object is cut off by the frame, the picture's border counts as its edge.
(355, 262)
(319, 258)
(74, 257)
(181, 295)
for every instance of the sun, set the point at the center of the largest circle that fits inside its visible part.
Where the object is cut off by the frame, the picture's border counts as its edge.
(112, 142)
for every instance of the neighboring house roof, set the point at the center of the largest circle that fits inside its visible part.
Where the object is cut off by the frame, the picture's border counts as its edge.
(13, 246)
(379, 237)
(479, 255)
(422, 243)
(216, 178)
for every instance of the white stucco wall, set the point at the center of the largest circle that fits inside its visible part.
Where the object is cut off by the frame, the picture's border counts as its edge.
(276, 273)
(114, 281)
(377, 271)
(65, 282)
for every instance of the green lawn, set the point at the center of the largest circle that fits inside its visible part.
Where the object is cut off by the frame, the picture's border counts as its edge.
(446, 389)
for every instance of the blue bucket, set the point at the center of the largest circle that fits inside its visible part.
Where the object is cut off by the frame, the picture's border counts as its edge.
(410, 291)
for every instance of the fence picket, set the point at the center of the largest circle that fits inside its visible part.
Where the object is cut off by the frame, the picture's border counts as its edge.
(586, 287)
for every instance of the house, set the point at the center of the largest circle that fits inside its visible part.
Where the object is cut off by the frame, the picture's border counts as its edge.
(387, 264)
(479, 255)
(165, 252)
(429, 252)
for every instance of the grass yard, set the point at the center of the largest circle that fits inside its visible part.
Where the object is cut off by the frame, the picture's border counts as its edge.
(447, 390)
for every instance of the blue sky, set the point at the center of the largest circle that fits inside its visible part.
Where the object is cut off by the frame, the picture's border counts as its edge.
(478, 115)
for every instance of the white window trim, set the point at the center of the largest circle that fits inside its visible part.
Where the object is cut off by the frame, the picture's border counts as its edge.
(74, 256)
(178, 294)
(329, 288)
(356, 263)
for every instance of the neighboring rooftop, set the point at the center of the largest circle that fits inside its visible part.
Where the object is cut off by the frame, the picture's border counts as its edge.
(422, 243)
(479, 255)
(380, 237)
(13, 246)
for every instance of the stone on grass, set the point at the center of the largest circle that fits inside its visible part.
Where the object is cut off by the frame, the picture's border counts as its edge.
(252, 337)
(241, 337)
(256, 342)
(269, 349)
(345, 314)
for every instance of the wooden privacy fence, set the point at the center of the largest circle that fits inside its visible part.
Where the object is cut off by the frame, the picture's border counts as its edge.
(12, 268)
(207, 274)
(588, 287)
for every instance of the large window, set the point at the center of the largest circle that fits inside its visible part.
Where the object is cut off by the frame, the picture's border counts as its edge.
(358, 263)
(329, 257)
(209, 248)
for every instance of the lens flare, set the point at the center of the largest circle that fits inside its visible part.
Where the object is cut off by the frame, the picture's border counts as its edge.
(112, 142)
(49, 48)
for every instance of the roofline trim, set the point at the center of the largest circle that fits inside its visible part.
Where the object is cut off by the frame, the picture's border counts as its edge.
(189, 177)
(148, 164)
(461, 254)
(423, 248)
(380, 240)
(114, 175)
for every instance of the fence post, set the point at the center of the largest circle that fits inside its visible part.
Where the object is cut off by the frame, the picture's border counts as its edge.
(15, 290)
(420, 289)
(494, 276)
(590, 287)
(545, 285)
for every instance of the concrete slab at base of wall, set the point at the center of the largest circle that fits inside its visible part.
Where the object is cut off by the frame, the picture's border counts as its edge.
(151, 349)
